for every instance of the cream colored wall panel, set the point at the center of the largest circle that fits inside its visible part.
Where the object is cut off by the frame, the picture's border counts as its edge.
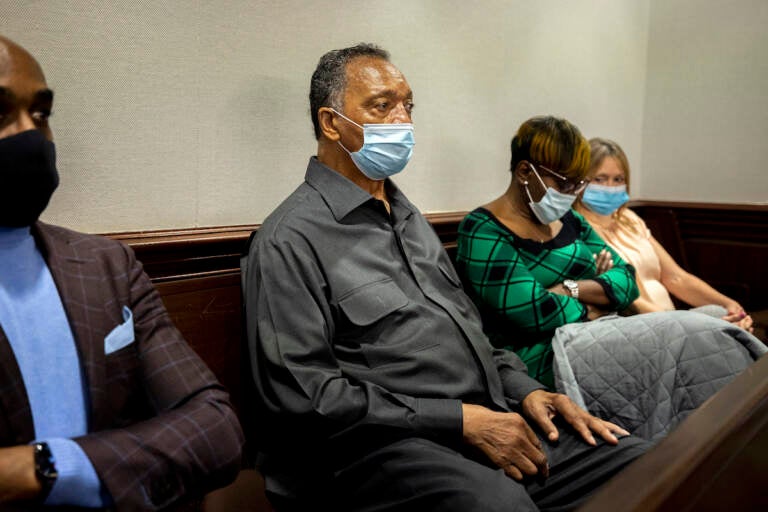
(706, 117)
(195, 113)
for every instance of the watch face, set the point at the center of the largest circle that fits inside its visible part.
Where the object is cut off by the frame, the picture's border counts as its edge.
(572, 286)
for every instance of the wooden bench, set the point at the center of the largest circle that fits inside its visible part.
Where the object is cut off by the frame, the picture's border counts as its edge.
(197, 273)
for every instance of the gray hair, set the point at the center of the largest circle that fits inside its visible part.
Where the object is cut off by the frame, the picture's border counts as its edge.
(330, 78)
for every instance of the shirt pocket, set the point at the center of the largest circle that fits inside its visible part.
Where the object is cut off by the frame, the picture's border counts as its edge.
(371, 302)
(378, 316)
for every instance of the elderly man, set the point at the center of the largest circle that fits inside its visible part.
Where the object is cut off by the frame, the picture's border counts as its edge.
(102, 402)
(378, 388)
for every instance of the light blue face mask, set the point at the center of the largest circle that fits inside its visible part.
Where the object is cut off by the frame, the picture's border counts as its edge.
(386, 150)
(552, 206)
(604, 200)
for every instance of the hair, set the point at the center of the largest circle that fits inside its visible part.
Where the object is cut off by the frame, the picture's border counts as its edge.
(600, 150)
(604, 148)
(554, 143)
(330, 78)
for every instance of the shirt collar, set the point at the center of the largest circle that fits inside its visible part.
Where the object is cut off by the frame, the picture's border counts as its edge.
(341, 195)
(10, 237)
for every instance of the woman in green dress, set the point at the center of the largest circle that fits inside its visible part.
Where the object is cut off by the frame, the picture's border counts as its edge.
(530, 262)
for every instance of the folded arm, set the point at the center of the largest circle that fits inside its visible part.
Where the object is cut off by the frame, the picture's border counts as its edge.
(501, 279)
(613, 289)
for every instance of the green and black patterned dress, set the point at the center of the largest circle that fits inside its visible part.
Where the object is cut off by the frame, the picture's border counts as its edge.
(508, 276)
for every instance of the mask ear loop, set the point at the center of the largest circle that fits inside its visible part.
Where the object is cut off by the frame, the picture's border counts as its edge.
(346, 118)
(342, 147)
(525, 183)
(349, 121)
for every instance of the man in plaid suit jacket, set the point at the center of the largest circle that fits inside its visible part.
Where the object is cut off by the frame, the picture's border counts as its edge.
(156, 425)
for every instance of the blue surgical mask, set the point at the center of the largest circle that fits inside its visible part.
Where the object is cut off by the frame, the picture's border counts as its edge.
(552, 206)
(604, 200)
(386, 150)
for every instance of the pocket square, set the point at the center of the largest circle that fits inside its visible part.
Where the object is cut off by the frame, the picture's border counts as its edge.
(122, 335)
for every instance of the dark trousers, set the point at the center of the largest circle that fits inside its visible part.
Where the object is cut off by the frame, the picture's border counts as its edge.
(417, 474)
(420, 475)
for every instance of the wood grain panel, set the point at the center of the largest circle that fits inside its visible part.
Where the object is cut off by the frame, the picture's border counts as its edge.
(208, 311)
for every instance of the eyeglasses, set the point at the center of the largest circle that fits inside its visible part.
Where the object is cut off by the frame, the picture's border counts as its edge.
(567, 186)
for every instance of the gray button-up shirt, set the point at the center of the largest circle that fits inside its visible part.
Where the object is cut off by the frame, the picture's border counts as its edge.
(358, 326)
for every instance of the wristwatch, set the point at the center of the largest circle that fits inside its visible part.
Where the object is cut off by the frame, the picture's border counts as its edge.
(45, 468)
(572, 287)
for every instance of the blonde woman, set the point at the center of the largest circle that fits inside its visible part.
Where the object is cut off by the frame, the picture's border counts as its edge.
(603, 205)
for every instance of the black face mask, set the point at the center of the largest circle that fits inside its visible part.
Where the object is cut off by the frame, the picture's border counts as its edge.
(28, 177)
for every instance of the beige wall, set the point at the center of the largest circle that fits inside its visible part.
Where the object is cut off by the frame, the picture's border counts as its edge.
(705, 136)
(195, 113)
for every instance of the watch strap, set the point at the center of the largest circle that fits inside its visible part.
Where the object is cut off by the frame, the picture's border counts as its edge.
(572, 287)
(45, 468)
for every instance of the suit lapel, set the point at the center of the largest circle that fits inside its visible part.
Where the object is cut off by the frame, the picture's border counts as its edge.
(82, 297)
(16, 426)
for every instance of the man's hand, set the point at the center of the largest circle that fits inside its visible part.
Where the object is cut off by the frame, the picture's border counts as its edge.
(17, 474)
(542, 406)
(506, 439)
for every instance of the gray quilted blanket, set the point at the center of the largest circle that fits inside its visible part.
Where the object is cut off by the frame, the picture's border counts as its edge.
(648, 372)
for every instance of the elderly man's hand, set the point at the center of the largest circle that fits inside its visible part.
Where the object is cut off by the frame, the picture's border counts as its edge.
(507, 440)
(542, 406)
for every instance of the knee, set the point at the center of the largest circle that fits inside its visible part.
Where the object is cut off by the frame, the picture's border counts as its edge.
(494, 492)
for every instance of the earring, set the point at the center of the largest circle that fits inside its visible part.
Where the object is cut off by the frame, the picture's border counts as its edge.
(527, 190)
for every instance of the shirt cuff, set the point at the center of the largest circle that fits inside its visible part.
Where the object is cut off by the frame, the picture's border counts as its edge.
(440, 416)
(517, 386)
(608, 289)
(77, 483)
